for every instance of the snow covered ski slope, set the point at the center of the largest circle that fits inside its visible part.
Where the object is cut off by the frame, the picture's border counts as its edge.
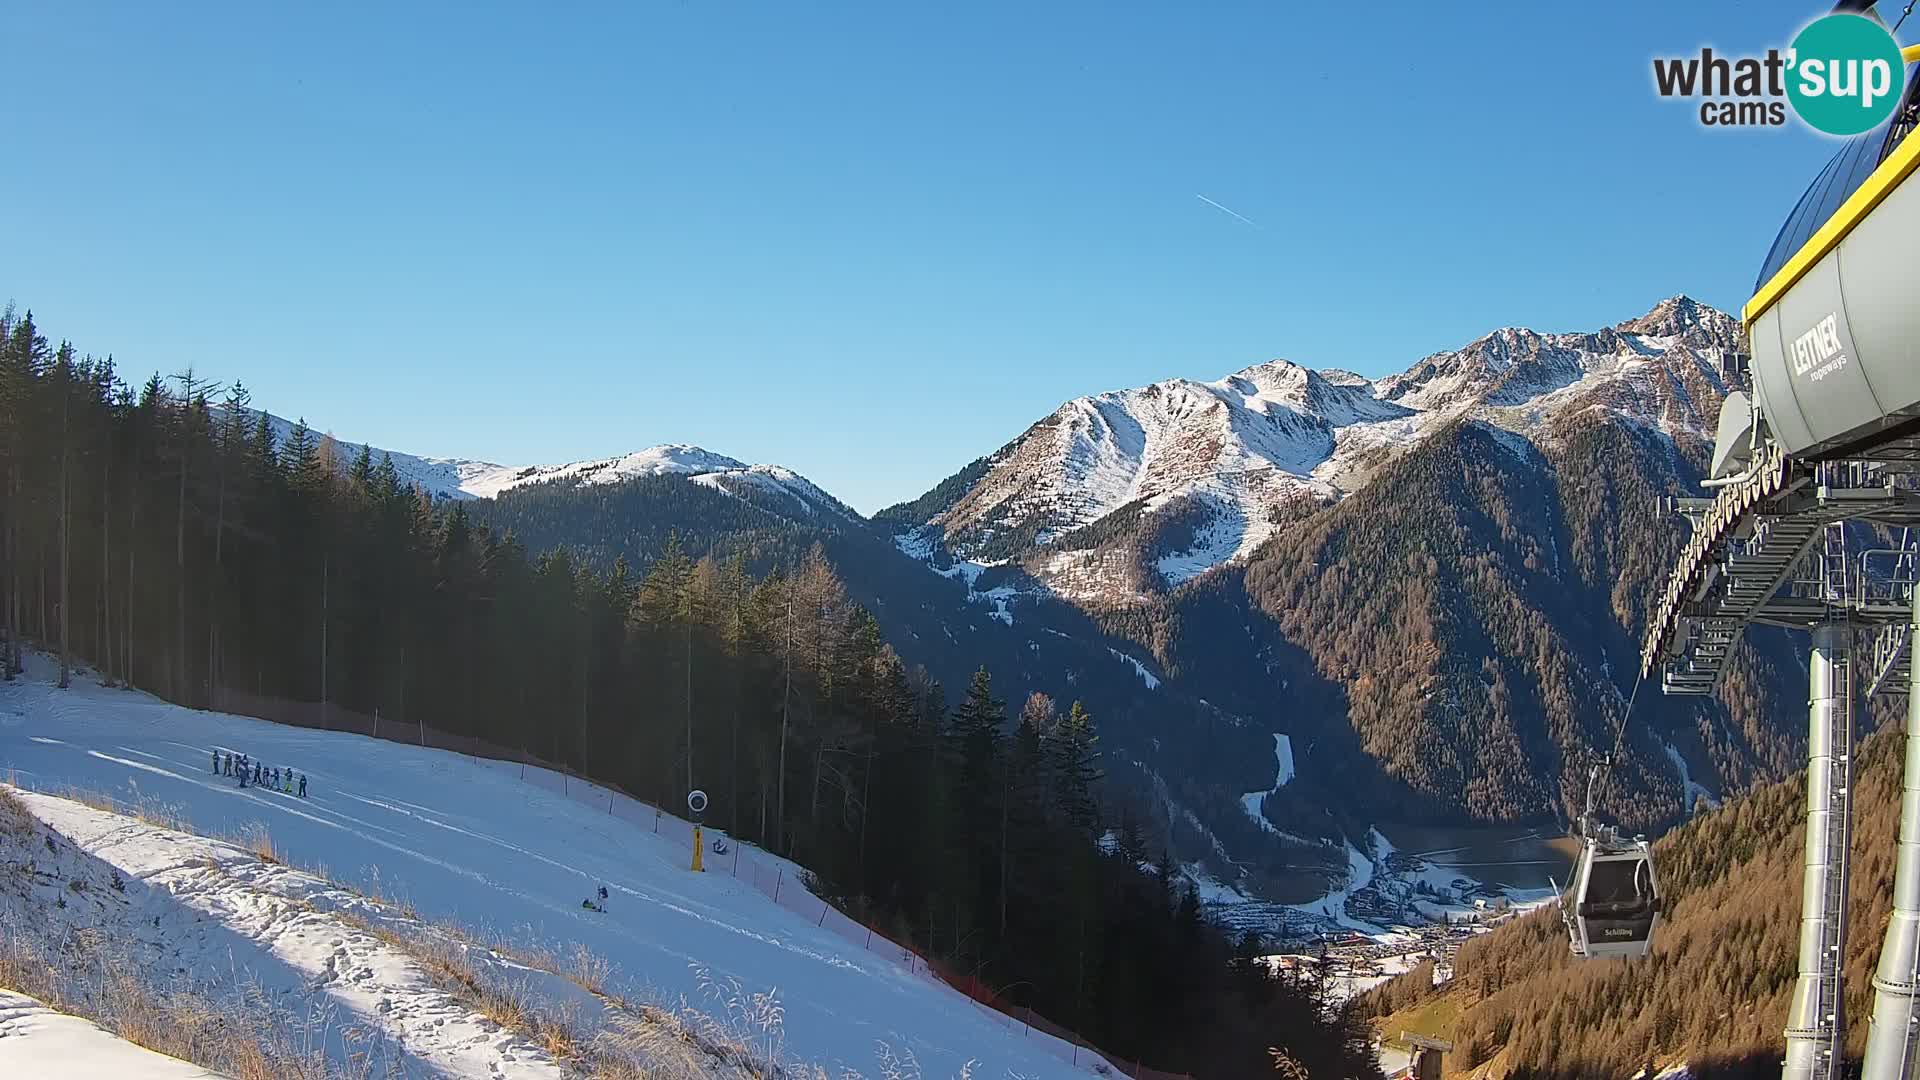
(45, 1043)
(473, 842)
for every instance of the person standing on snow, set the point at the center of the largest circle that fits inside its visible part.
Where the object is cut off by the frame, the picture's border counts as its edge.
(303, 785)
(216, 763)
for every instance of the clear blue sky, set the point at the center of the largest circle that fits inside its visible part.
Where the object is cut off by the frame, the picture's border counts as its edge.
(870, 242)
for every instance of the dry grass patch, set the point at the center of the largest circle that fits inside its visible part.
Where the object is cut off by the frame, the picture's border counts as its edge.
(99, 800)
(510, 1003)
(15, 819)
(255, 838)
(162, 816)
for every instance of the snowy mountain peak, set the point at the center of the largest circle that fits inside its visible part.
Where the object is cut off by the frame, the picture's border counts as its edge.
(675, 458)
(464, 478)
(1342, 377)
(1207, 469)
(1281, 375)
(1675, 316)
(780, 488)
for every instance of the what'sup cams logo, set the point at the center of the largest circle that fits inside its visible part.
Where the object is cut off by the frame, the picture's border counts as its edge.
(1842, 75)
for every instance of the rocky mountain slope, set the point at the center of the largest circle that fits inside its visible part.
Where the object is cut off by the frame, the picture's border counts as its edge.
(1136, 491)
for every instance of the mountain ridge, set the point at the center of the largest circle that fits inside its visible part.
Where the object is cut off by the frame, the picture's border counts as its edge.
(1218, 466)
(468, 478)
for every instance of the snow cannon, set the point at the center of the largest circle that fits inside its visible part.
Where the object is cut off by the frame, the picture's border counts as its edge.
(697, 806)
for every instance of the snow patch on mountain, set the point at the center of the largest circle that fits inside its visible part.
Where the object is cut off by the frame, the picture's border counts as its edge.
(1252, 801)
(1688, 785)
(1139, 669)
(923, 545)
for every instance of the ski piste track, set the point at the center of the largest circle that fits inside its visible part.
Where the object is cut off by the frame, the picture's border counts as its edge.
(512, 849)
(1823, 442)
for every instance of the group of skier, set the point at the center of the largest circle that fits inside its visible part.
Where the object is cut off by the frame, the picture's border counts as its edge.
(258, 774)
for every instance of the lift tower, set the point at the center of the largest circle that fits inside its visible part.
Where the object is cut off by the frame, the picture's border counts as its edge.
(1827, 444)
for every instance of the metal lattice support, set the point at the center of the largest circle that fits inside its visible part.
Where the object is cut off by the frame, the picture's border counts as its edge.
(1816, 1021)
(1893, 1040)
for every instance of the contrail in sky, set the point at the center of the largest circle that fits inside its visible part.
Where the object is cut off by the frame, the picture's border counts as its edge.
(1226, 210)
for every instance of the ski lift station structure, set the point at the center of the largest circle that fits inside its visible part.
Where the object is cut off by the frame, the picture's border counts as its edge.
(1824, 440)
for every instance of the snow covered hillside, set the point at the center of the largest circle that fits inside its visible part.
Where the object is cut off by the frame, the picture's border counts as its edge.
(476, 843)
(1214, 466)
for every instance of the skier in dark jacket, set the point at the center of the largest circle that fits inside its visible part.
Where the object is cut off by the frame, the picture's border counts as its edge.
(303, 785)
(216, 763)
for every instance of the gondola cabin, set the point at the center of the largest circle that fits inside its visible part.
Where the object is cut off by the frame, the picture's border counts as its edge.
(1614, 902)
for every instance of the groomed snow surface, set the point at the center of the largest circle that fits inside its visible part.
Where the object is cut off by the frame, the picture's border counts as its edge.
(40, 1042)
(472, 842)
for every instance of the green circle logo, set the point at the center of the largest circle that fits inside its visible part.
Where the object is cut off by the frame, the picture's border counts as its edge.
(1846, 74)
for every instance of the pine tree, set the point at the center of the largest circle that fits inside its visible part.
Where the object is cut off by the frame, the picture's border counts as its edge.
(1075, 771)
